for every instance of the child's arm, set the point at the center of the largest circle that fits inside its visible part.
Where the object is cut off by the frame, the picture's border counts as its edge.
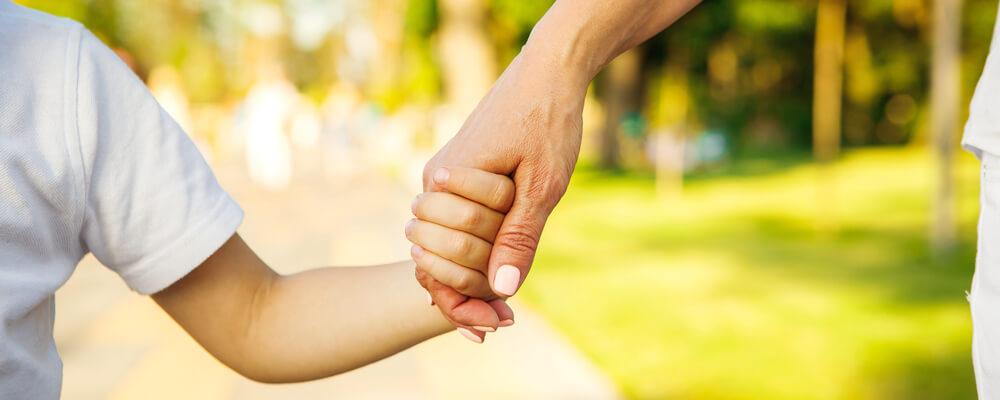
(318, 323)
(314, 324)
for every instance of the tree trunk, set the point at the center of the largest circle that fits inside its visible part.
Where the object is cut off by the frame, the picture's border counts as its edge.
(828, 82)
(828, 79)
(945, 86)
(467, 57)
(620, 89)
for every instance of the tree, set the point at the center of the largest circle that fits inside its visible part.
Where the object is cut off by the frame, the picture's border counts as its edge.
(828, 79)
(467, 58)
(620, 88)
(945, 85)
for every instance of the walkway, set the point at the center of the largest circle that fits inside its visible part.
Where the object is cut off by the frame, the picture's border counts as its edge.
(117, 345)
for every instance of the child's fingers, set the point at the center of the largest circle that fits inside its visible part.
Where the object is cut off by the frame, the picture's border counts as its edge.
(460, 247)
(458, 213)
(504, 313)
(464, 280)
(491, 190)
(474, 315)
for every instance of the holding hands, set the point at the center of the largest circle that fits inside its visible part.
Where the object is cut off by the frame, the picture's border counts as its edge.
(453, 237)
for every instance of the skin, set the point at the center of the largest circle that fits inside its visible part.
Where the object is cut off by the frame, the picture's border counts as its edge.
(274, 328)
(529, 125)
(291, 328)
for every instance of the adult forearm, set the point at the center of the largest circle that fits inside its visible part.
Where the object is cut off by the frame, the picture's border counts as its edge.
(580, 37)
(326, 321)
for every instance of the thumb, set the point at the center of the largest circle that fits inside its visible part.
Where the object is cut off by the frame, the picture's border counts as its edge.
(516, 242)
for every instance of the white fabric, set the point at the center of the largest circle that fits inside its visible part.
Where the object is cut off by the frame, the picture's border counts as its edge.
(982, 130)
(89, 162)
(984, 299)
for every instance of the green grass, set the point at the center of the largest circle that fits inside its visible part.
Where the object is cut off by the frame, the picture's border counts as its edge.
(762, 286)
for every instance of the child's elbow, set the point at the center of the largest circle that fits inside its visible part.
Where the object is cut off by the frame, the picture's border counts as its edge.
(260, 367)
(268, 374)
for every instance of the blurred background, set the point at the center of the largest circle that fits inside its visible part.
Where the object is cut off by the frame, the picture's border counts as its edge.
(771, 201)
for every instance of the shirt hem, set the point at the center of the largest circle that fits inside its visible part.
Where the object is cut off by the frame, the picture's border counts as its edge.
(187, 253)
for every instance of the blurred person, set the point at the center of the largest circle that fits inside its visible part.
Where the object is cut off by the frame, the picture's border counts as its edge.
(91, 163)
(982, 138)
(268, 110)
(340, 112)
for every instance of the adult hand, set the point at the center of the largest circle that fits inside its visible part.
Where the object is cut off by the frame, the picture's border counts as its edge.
(528, 127)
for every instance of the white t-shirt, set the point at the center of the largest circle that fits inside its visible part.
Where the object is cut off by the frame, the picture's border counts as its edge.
(89, 162)
(982, 130)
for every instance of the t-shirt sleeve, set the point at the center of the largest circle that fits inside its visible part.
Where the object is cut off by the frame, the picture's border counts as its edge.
(153, 209)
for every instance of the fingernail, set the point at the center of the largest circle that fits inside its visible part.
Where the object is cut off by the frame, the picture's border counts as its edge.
(441, 176)
(409, 226)
(416, 251)
(430, 300)
(469, 335)
(484, 328)
(507, 322)
(506, 280)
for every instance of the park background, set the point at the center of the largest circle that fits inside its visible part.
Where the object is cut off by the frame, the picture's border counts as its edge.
(771, 200)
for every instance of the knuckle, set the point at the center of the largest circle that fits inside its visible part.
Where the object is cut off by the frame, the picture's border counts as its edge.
(464, 283)
(462, 245)
(502, 195)
(519, 237)
(471, 218)
(553, 186)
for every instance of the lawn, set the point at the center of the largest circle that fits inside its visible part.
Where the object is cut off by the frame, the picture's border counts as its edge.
(762, 286)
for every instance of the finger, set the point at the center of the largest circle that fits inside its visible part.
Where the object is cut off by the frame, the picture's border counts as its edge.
(504, 313)
(464, 280)
(516, 243)
(462, 311)
(491, 190)
(460, 247)
(455, 212)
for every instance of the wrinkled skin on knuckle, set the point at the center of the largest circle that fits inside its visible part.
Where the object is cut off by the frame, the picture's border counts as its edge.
(503, 195)
(471, 218)
(462, 245)
(465, 283)
(522, 238)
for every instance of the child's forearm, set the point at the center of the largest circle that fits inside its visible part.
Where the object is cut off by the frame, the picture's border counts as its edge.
(327, 321)
(299, 327)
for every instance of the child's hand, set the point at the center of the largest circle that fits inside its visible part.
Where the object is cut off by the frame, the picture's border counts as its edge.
(453, 238)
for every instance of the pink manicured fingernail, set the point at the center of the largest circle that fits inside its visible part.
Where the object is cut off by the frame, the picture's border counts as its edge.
(430, 300)
(416, 251)
(507, 322)
(484, 328)
(469, 335)
(506, 280)
(441, 176)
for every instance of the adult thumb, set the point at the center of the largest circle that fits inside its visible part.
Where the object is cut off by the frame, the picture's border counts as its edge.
(516, 242)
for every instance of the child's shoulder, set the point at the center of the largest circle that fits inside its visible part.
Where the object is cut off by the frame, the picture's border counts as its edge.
(26, 23)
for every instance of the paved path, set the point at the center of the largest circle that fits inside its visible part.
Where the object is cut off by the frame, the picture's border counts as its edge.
(118, 345)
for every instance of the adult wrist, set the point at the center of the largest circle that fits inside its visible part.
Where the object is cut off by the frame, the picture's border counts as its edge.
(564, 55)
(570, 38)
